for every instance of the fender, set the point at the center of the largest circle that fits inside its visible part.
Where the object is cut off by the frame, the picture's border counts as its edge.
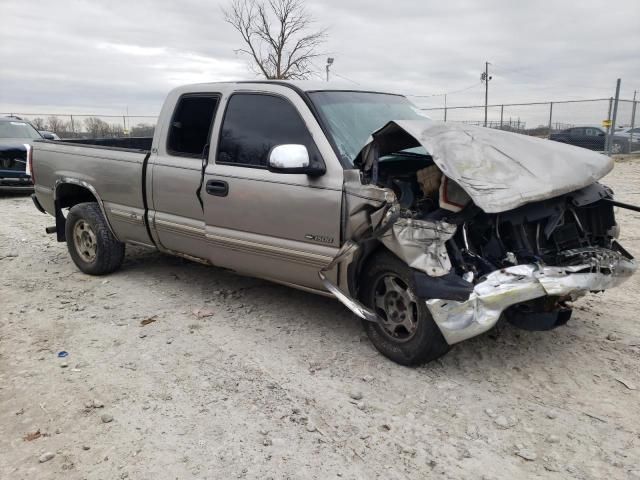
(61, 220)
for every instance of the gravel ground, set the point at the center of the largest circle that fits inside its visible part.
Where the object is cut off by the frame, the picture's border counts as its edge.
(233, 377)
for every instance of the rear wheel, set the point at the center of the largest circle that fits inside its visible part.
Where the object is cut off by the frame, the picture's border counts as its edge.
(91, 244)
(406, 333)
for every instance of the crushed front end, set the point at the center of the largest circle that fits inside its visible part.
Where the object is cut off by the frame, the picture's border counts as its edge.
(489, 233)
(528, 264)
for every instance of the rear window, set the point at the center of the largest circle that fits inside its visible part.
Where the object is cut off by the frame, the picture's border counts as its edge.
(191, 125)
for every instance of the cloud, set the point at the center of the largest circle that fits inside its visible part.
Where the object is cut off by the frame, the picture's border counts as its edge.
(105, 57)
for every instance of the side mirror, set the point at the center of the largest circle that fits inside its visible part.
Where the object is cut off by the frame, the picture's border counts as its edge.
(48, 136)
(292, 158)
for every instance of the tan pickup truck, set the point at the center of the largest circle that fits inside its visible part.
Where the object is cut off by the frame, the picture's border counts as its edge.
(430, 232)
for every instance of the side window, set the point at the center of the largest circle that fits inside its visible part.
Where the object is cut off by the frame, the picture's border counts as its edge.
(255, 123)
(191, 124)
(576, 132)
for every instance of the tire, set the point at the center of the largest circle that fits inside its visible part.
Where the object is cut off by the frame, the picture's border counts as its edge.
(91, 244)
(419, 342)
(617, 148)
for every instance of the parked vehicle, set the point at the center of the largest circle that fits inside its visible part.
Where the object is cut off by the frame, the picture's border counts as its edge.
(429, 232)
(48, 135)
(16, 137)
(633, 134)
(594, 138)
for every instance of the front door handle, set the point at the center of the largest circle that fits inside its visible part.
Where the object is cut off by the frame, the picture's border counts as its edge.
(219, 188)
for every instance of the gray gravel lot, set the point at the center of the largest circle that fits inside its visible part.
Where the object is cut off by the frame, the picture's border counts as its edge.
(234, 377)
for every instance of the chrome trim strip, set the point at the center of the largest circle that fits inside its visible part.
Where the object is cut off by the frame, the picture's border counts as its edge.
(172, 227)
(281, 253)
(296, 256)
(125, 216)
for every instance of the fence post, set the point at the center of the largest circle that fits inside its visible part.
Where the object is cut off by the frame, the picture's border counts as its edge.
(445, 107)
(613, 119)
(501, 115)
(633, 120)
(73, 130)
(609, 114)
(550, 116)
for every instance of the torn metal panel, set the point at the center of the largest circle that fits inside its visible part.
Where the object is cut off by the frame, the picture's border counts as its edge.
(501, 289)
(421, 244)
(499, 170)
(345, 255)
(366, 206)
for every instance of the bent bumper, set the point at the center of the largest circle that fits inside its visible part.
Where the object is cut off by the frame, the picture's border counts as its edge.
(501, 289)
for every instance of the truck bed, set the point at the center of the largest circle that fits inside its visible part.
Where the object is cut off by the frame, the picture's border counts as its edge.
(114, 174)
(132, 143)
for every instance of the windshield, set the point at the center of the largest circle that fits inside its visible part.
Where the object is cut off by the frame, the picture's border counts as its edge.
(352, 117)
(17, 129)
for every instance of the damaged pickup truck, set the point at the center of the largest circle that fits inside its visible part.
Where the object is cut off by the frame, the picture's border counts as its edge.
(429, 232)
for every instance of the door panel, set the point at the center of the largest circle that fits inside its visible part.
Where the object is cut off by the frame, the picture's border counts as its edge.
(284, 227)
(267, 227)
(178, 218)
(176, 214)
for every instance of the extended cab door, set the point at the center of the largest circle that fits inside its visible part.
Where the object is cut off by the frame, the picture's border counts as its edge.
(176, 172)
(283, 227)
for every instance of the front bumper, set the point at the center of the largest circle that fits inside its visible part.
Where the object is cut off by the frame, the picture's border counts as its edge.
(501, 289)
(15, 180)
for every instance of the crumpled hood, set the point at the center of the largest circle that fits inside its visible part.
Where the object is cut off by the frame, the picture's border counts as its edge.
(499, 170)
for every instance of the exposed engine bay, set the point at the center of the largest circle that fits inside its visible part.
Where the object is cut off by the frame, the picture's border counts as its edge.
(562, 231)
(483, 250)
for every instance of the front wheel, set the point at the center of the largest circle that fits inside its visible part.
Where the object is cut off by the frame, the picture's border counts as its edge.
(406, 332)
(92, 246)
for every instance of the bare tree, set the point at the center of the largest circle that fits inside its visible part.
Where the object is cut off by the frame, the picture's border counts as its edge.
(55, 125)
(277, 36)
(97, 127)
(39, 123)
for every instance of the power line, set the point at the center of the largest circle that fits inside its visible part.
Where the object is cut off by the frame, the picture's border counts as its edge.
(447, 93)
(344, 78)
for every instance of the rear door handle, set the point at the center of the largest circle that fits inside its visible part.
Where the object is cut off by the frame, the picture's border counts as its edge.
(219, 188)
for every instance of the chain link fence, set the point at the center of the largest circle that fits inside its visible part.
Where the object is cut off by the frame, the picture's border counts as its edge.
(584, 123)
(90, 126)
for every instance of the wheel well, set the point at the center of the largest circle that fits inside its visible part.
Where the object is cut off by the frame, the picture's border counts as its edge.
(368, 251)
(70, 194)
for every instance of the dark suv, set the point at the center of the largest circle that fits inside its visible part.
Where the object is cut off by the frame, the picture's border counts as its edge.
(16, 137)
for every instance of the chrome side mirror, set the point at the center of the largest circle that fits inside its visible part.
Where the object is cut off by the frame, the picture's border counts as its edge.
(293, 158)
(289, 157)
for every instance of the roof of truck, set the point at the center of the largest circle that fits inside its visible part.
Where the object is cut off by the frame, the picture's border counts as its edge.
(305, 85)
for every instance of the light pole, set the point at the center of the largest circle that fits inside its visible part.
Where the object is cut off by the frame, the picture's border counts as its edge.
(329, 63)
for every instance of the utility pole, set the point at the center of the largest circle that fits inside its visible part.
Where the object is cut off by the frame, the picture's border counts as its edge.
(485, 78)
(633, 120)
(445, 106)
(329, 63)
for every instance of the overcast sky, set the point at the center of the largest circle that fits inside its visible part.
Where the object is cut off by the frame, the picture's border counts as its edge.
(102, 57)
